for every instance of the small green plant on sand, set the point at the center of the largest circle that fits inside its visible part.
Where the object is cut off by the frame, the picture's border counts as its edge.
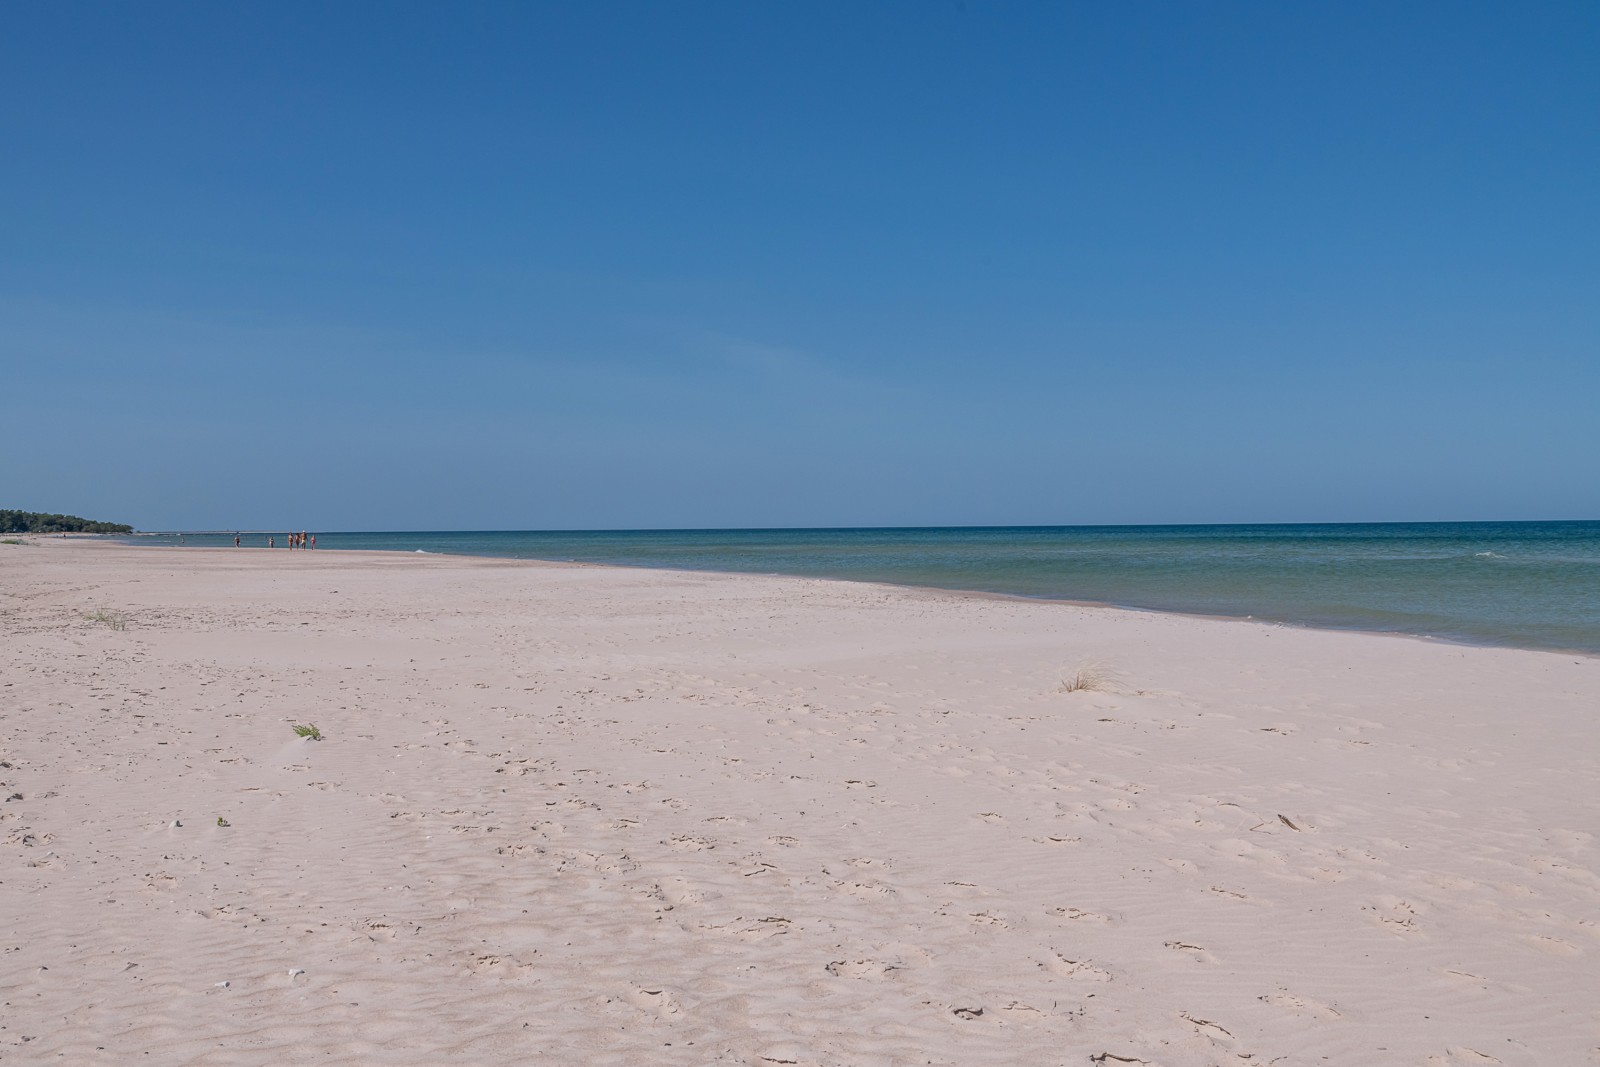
(117, 620)
(310, 731)
(12, 541)
(223, 822)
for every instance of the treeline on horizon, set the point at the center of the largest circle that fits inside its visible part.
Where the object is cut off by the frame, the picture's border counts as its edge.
(12, 521)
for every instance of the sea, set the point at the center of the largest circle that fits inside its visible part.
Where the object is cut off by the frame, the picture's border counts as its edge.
(1517, 584)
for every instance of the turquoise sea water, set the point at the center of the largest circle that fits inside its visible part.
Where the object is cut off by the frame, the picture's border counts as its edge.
(1522, 584)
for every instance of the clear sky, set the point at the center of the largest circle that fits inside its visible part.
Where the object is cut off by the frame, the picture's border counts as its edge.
(506, 266)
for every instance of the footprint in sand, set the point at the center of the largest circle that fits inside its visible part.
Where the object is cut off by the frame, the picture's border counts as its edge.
(1460, 1056)
(654, 1000)
(1193, 951)
(767, 927)
(1017, 1011)
(1554, 945)
(675, 892)
(1206, 1028)
(1569, 839)
(1359, 854)
(1452, 883)
(494, 966)
(1078, 915)
(1301, 1006)
(1077, 970)
(1477, 981)
(689, 843)
(746, 930)
(787, 1055)
(1393, 914)
(599, 862)
(872, 970)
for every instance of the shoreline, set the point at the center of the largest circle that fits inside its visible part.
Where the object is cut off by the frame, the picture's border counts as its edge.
(1264, 620)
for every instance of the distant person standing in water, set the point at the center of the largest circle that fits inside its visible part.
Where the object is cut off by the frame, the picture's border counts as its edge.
(236, 539)
(272, 542)
(313, 540)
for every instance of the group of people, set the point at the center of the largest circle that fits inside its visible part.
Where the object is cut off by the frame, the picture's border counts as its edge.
(294, 540)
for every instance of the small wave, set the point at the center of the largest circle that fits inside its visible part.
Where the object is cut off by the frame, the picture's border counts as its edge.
(424, 552)
(1488, 555)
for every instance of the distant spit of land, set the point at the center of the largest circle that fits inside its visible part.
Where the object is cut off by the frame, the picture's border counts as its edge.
(12, 521)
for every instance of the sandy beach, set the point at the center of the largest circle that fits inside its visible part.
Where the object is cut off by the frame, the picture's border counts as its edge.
(586, 815)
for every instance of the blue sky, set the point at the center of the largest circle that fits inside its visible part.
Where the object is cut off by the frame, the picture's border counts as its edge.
(497, 266)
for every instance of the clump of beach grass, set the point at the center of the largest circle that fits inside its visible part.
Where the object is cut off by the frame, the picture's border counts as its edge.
(1091, 678)
(310, 732)
(12, 541)
(117, 620)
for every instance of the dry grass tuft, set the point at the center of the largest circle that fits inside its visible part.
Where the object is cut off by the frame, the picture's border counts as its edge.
(117, 620)
(1089, 679)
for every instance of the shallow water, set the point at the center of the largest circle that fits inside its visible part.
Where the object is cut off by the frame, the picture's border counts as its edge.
(1521, 584)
